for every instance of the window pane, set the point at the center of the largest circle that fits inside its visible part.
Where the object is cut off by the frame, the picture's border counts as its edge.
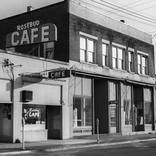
(119, 64)
(104, 60)
(90, 57)
(139, 69)
(114, 52)
(90, 45)
(143, 70)
(86, 86)
(129, 56)
(147, 95)
(112, 91)
(143, 61)
(82, 43)
(77, 111)
(114, 62)
(34, 114)
(127, 109)
(88, 111)
(120, 53)
(139, 59)
(49, 50)
(82, 55)
(148, 113)
(104, 49)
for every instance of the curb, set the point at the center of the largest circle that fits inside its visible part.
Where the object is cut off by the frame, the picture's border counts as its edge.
(77, 147)
(100, 145)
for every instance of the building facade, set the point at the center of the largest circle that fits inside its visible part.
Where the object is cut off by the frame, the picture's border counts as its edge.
(76, 67)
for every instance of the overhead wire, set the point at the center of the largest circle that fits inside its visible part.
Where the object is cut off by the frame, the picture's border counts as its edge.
(132, 6)
(152, 23)
(121, 9)
(103, 13)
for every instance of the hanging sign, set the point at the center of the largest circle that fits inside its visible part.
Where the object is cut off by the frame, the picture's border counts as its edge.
(30, 33)
(59, 73)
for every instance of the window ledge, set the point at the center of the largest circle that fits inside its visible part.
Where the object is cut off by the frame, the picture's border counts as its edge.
(144, 75)
(87, 63)
(105, 67)
(119, 70)
(131, 72)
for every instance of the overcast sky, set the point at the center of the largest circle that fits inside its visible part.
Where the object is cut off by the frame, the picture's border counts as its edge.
(143, 7)
(13, 7)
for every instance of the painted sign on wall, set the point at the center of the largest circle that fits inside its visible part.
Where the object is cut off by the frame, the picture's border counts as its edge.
(30, 33)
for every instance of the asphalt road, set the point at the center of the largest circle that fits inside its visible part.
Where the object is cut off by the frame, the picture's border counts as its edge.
(133, 149)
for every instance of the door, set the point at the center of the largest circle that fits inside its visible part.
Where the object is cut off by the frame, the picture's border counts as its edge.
(54, 122)
(113, 118)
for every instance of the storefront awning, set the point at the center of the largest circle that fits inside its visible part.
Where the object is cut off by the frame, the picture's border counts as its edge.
(95, 75)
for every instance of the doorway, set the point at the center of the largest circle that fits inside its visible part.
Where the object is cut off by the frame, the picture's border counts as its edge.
(54, 122)
(5, 122)
(138, 109)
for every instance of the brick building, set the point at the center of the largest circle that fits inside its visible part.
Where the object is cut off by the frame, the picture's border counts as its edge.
(111, 76)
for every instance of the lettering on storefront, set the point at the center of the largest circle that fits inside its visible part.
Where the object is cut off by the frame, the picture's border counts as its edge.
(30, 33)
(59, 74)
(32, 113)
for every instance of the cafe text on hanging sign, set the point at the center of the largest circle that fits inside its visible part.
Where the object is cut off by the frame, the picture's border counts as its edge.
(59, 73)
(30, 33)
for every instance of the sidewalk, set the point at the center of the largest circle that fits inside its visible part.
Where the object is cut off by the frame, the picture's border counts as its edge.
(77, 142)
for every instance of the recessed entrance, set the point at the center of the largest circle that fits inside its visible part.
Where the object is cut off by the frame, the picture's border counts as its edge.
(138, 109)
(54, 122)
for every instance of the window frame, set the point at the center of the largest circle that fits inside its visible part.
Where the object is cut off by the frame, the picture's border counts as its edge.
(105, 56)
(117, 59)
(131, 62)
(142, 68)
(86, 50)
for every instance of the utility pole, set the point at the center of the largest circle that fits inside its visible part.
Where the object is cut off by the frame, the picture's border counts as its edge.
(8, 66)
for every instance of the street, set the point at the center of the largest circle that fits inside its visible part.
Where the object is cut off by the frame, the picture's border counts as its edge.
(132, 149)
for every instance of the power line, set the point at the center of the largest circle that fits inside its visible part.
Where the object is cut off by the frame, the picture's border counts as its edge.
(116, 13)
(121, 9)
(152, 24)
(133, 6)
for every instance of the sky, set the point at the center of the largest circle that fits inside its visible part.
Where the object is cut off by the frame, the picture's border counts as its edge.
(140, 14)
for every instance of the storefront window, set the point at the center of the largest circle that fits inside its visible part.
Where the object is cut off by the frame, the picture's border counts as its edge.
(34, 114)
(112, 91)
(148, 106)
(82, 112)
(127, 106)
(82, 103)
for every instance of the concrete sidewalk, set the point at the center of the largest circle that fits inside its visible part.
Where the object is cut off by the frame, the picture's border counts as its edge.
(77, 142)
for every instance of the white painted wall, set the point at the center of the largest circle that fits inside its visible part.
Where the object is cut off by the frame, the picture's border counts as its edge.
(45, 92)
